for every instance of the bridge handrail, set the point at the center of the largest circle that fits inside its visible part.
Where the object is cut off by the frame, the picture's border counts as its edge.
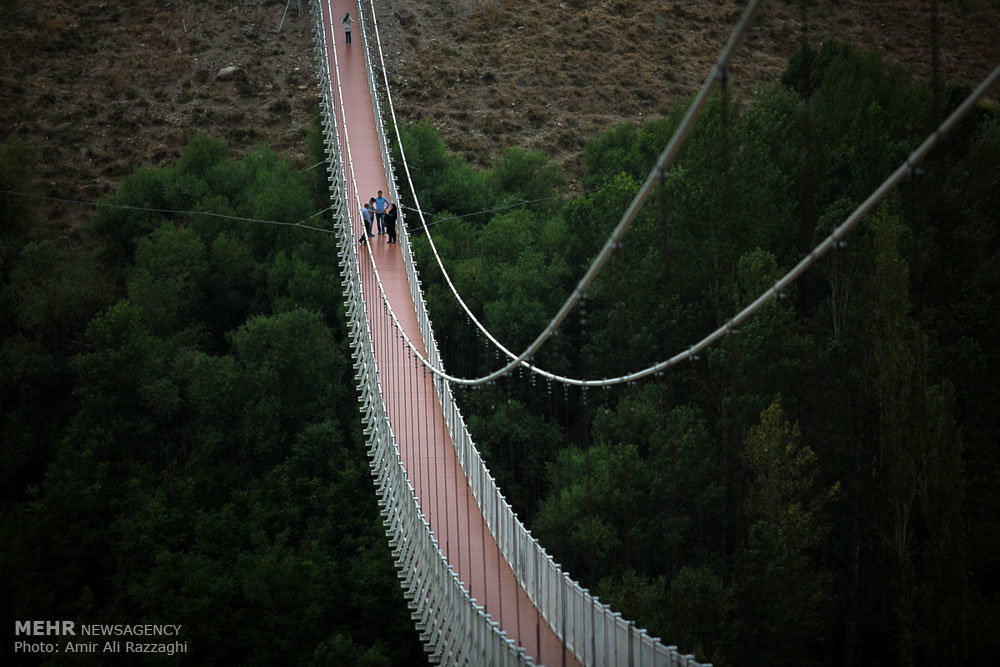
(454, 628)
(656, 174)
(590, 630)
(608, 638)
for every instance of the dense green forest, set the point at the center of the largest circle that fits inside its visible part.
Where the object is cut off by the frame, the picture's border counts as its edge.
(821, 488)
(181, 433)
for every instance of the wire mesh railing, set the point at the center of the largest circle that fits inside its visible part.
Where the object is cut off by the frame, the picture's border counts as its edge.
(590, 630)
(454, 629)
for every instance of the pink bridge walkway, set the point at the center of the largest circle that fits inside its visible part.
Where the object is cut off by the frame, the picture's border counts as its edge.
(414, 411)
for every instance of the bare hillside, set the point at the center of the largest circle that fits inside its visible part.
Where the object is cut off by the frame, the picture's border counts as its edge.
(99, 88)
(496, 73)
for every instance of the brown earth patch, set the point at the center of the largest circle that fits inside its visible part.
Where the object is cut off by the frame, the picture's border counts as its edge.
(99, 88)
(491, 74)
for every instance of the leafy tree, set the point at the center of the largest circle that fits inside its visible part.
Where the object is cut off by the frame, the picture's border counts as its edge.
(699, 610)
(525, 176)
(17, 158)
(445, 182)
(782, 478)
(296, 282)
(169, 278)
(580, 520)
(119, 223)
(783, 590)
(294, 366)
(55, 291)
(202, 153)
(207, 467)
(233, 285)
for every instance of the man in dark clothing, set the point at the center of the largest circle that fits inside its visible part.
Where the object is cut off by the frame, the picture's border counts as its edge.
(390, 222)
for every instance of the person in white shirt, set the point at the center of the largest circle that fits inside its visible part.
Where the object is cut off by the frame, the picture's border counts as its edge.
(366, 215)
(347, 26)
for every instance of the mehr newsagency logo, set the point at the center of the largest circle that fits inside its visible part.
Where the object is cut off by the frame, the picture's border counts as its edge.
(69, 637)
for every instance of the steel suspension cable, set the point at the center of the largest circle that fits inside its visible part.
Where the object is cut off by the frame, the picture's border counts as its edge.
(655, 174)
(444, 461)
(666, 157)
(210, 214)
(915, 158)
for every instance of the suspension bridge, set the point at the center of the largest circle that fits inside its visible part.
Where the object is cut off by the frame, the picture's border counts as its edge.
(481, 589)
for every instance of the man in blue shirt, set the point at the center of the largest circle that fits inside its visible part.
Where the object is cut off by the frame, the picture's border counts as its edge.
(380, 204)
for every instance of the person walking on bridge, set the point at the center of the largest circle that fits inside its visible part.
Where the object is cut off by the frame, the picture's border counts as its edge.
(366, 216)
(347, 26)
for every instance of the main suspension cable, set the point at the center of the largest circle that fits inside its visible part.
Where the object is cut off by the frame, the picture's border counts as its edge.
(666, 157)
(659, 171)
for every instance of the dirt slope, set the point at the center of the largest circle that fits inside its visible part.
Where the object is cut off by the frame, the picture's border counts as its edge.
(495, 73)
(102, 87)
(99, 88)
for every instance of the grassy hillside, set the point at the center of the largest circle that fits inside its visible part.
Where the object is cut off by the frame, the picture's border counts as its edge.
(101, 88)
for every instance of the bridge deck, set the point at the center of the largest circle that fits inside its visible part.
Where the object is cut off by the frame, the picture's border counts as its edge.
(415, 413)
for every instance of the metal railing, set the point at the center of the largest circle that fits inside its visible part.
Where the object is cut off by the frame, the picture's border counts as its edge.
(594, 633)
(454, 629)
(590, 630)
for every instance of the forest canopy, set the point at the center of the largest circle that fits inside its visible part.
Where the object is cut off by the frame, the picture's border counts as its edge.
(181, 433)
(182, 441)
(821, 487)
